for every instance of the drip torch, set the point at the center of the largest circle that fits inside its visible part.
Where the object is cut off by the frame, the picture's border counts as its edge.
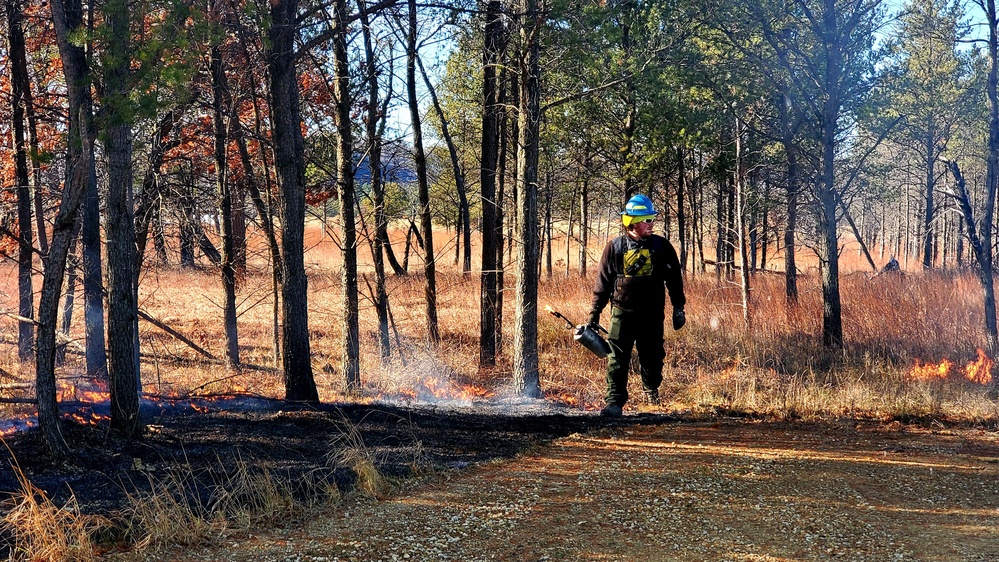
(586, 335)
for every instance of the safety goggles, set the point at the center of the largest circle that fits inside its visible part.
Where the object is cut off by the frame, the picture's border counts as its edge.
(630, 220)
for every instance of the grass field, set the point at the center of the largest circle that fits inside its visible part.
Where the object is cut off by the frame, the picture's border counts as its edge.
(912, 340)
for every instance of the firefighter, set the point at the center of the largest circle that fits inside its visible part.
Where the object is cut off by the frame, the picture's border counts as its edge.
(636, 271)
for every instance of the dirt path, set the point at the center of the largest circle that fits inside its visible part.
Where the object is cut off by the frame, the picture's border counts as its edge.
(679, 492)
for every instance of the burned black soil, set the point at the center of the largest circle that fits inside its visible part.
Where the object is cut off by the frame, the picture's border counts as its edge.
(293, 442)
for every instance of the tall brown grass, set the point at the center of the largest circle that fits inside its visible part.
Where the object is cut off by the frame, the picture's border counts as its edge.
(44, 531)
(773, 365)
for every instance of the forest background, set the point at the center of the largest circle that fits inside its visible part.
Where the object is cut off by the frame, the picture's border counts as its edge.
(318, 246)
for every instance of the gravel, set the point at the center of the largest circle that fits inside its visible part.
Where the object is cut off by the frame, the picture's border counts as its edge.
(724, 490)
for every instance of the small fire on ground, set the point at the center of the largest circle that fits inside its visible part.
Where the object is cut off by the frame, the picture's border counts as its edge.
(88, 402)
(978, 371)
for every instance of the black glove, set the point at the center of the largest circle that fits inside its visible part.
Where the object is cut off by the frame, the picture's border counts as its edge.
(594, 319)
(679, 318)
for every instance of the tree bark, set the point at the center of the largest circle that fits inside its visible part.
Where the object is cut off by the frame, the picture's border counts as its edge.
(929, 158)
(459, 176)
(978, 241)
(526, 375)
(494, 44)
(373, 125)
(986, 263)
(220, 102)
(832, 314)
(681, 215)
(73, 267)
(289, 162)
(740, 223)
(419, 156)
(584, 223)
(350, 363)
(67, 16)
(93, 281)
(791, 154)
(18, 100)
(123, 353)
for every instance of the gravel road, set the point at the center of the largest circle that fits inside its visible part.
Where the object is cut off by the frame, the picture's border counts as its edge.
(726, 491)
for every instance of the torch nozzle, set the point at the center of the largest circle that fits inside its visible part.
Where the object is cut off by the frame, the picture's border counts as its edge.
(557, 314)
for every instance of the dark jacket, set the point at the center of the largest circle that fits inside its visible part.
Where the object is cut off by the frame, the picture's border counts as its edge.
(634, 275)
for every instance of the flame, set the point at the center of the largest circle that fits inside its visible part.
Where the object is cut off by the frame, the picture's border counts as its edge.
(69, 391)
(12, 426)
(980, 370)
(549, 309)
(565, 398)
(87, 418)
(930, 371)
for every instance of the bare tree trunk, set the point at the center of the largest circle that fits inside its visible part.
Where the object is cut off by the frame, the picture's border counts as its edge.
(36, 169)
(494, 44)
(978, 241)
(350, 362)
(547, 234)
(681, 215)
(73, 265)
(929, 157)
(265, 209)
(67, 18)
(426, 220)
(570, 228)
(123, 353)
(93, 282)
(790, 152)
(526, 375)
(501, 162)
(985, 257)
(459, 177)
(740, 212)
(289, 160)
(832, 314)
(584, 223)
(220, 101)
(372, 127)
(19, 95)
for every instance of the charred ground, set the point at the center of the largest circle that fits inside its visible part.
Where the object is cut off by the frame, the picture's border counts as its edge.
(288, 440)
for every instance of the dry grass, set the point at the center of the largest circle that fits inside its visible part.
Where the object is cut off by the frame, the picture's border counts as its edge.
(169, 513)
(774, 366)
(174, 512)
(45, 532)
(349, 451)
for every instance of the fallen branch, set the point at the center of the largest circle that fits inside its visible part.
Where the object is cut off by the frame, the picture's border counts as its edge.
(17, 386)
(18, 401)
(738, 267)
(8, 375)
(176, 334)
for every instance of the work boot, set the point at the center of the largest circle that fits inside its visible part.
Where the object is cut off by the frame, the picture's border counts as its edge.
(653, 397)
(612, 411)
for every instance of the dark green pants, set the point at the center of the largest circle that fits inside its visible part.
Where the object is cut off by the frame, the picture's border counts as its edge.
(642, 331)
